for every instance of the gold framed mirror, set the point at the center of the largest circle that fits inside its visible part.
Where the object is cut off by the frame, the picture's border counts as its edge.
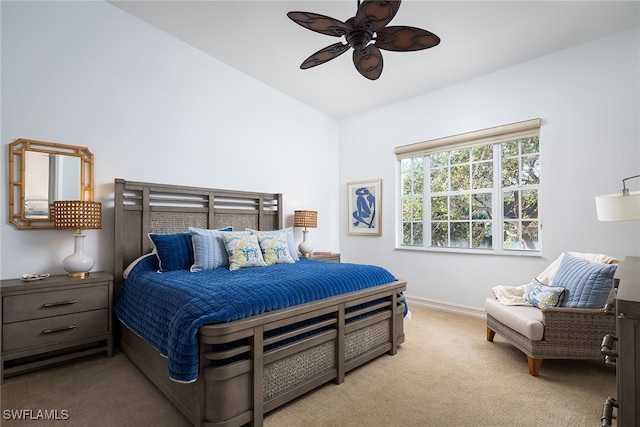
(42, 172)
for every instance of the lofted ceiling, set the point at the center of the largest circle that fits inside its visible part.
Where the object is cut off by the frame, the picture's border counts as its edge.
(478, 37)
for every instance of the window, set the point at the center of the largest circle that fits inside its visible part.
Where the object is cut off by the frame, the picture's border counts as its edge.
(473, 192)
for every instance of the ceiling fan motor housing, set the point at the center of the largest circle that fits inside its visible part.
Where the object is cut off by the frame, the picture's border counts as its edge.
(359, 38)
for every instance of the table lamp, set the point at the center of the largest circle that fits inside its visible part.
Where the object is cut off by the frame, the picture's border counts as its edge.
(79, 215)
(306, 219)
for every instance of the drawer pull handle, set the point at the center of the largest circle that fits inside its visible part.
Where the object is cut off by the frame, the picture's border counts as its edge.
(606, 348)
(56, 304)
(607, 411)
(64, 328)
(610, 309)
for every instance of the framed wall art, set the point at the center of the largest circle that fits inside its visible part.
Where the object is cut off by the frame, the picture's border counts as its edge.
(363, 204)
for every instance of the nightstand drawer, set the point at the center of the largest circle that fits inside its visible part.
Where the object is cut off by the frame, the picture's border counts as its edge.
(54, 329)
(45, 304)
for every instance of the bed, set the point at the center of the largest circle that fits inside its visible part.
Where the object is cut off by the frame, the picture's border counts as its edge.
(250, 366)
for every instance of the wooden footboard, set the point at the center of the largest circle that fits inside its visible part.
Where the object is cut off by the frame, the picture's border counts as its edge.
(252, 366)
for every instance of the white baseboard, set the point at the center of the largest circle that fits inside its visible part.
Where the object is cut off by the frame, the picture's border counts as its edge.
(446, 306)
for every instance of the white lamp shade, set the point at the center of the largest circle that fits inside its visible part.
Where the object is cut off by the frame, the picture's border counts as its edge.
(616, 207)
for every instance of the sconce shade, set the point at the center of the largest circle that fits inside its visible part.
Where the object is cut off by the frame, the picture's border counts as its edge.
(307, 219)
(618, 207)
(76, 214)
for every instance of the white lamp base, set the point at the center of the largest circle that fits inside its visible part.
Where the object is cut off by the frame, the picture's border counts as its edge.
(305, 248)
(78, 264)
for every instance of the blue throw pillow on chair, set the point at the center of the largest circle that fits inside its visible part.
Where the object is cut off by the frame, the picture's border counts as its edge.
(587, 284)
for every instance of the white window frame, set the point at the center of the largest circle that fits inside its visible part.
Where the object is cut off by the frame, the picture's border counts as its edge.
(496, 135)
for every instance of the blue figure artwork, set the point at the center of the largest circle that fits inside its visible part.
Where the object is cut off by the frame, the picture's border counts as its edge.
(365, 211)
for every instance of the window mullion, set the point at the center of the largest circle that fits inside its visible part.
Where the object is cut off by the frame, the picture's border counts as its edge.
(426, 203)
(497, 202)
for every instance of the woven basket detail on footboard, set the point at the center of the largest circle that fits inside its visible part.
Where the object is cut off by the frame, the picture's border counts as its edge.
(286, 374)
(365, 339)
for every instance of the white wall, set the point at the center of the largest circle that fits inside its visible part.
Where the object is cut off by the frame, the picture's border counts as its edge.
(588, 98)
(150, 108)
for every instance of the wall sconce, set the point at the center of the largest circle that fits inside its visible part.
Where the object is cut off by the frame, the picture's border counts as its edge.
(622, 206)
(306, 219)
(79, 215)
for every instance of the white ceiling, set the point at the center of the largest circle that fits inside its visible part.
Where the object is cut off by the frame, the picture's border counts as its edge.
(478, 37)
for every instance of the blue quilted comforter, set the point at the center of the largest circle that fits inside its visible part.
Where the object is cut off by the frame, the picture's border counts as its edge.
(166, 309)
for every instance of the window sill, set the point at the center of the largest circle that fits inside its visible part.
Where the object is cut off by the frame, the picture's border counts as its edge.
(471, 251)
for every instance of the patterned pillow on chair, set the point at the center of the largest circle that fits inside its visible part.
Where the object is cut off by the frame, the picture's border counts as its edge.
(543, 296)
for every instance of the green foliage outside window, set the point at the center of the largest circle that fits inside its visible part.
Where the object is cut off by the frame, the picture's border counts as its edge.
(459, 203)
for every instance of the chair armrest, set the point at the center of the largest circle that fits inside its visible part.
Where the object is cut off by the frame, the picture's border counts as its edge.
(561, 322)
(561, 311)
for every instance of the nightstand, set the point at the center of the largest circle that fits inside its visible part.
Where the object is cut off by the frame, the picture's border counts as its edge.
(53, 320)
(326, 257)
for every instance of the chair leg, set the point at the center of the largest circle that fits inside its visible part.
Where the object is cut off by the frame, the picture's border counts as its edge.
(534, 366)
(490, 334)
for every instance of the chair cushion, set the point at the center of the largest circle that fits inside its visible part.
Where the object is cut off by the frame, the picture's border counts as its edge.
(523, 319)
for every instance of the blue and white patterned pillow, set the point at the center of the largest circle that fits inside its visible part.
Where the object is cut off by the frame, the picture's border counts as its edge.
(243, 250)
(543, 296)
(275, 247)
(293, 249)
(208, 249)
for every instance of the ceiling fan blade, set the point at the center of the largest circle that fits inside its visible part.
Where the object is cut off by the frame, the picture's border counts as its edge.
(324, 55)
(375, 15)
(402, 38)
(320, 23)
(368, 62)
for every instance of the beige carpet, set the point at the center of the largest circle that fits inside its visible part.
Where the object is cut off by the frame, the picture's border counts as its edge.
(445, 374)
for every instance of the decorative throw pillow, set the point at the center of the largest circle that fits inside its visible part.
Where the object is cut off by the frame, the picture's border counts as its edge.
(541, 295)
(587, 284)
(243, 250)
(174, 251)
(293, 249)
(275, 247)
(208, 249)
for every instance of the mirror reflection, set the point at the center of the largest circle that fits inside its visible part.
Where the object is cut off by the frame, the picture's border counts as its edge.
(43, 172)
(49, 177)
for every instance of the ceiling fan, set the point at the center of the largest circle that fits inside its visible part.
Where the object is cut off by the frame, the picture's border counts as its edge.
(366, 33)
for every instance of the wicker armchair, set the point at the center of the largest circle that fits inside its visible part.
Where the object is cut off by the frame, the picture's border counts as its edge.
(569, 333)
(554, 332)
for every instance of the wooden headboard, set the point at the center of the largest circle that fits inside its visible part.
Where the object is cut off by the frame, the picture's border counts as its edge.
(142, 208)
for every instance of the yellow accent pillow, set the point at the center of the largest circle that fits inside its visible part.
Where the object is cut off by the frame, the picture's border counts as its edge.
(275, 247)
(243, 250)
